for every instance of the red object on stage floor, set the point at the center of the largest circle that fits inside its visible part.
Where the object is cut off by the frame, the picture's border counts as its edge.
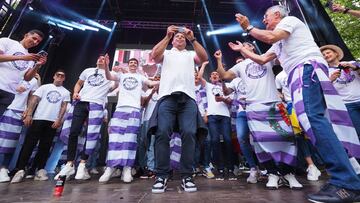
(59, 186)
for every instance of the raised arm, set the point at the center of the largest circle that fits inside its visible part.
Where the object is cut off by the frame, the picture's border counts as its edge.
(201, 72)
(157, 52)
(225, 75)
(108, 74)
(267, 36)
(198, 48)
(259, 59)
(32, 71)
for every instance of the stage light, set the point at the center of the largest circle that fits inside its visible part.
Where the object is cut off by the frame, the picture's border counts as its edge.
(198, 25)
(64, 26)
(254, 42)
(214, 38)
(107, 43)
(50, 36)
(84, 27)
(244, 34)
(31, 8)
(208, 33)
(228, 30)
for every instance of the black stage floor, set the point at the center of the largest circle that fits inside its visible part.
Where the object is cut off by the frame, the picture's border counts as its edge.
(209, 190)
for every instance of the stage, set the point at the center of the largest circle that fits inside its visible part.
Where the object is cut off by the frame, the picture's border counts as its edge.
(209, 190)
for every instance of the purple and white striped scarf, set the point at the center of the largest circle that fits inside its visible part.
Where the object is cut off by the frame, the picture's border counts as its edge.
(273, 139)
(96, 116)
(336, 110)
(175, 150)
(123, 130)
(201, 98)
(10, 129)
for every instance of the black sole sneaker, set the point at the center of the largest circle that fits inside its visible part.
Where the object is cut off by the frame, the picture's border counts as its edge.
(188, 184)
(159, 186)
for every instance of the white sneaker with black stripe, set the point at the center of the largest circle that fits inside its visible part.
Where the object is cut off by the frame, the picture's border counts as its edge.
(159, 186)
(188, 184)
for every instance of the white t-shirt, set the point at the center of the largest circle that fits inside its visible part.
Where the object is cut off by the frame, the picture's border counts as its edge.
(347, 85)
(96, 86)
(13, 71)
(239, 87)
(281, 83)
(214, 107)
(177, 73)
(51, 99)
(151, 105)
(259, 80)
(130, 91)
(20, 101)
(299, 47)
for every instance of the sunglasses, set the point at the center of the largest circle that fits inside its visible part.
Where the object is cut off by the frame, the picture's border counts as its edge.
(60, 75)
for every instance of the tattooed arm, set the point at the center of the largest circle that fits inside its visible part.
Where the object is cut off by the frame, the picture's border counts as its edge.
(32, 102)
(58, 121)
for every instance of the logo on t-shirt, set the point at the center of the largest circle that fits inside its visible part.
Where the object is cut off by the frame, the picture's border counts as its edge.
(345, 78)
(19, 64)
(96, 79)
(130, 83)
(217, 90)
(255, 71)
(53, 96)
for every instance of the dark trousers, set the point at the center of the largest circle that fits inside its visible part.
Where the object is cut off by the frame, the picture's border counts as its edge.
(274, 169)
(80, 114)
(177, 109)
(39, 131)
(221, 125)
(5, 100)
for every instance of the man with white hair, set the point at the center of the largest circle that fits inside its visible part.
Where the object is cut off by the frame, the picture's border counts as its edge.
(312, 94)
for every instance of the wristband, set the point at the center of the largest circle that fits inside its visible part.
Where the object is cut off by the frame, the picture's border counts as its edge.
(346, 10)
(193, 40)
(249, 28)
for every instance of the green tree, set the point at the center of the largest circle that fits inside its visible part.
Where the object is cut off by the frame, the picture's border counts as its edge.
(347, 25)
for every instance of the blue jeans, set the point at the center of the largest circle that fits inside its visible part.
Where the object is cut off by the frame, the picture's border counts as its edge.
(207, 151)
(150, 155)
(243, 133)
(220, 125)
(141, 147)
(328, 145)
(179, 109)
(354, 112)
(55, 156)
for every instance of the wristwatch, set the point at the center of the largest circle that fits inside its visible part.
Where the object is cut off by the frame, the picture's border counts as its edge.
(249, 28)
(193, 40)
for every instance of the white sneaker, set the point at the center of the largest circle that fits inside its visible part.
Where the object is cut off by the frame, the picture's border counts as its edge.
(82, 173)
(313, 173)
(94, 171)
(291, 181)
(126, 174)
(4, 175)
(41, 175)
(18, 177)
(253, 176)
(273, 182)
(67, 171)
(107, 175)
(116, 173)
